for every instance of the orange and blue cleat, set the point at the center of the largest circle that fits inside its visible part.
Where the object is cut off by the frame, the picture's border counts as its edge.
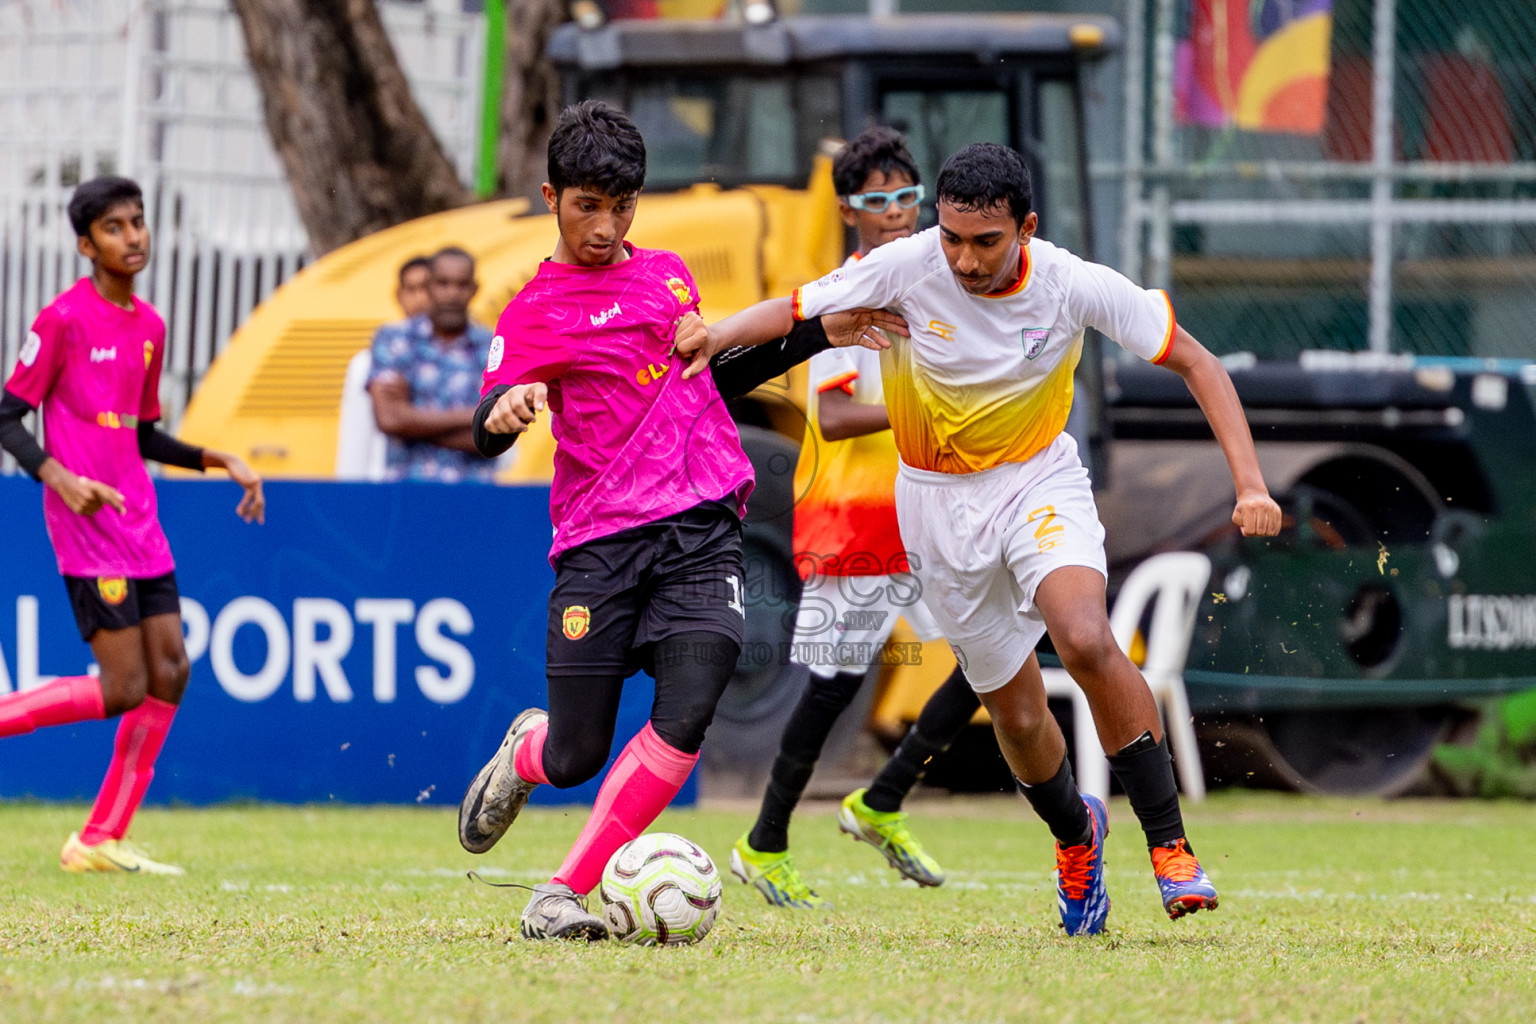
(1180, 879)
(1081, 895)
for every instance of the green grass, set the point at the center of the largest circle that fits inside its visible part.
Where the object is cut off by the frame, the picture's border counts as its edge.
(1332, 910)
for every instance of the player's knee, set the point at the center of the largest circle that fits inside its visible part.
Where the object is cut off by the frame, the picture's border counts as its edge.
(1020, 720)
(571, 767)
(684, 731)
(123, 689)
(1085, 646)
(169, 679)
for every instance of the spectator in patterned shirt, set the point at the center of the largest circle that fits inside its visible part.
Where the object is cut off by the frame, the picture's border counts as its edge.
(425, 381)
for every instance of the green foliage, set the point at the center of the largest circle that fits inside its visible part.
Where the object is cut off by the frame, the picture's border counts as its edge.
(1332, 910)
(1501, 759)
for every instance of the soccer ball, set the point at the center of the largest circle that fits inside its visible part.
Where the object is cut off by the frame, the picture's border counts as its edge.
(660, 890)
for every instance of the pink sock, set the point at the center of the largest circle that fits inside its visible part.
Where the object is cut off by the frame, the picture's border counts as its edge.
(140, 735)
(529, 759)
(644, 779)
(73, 699)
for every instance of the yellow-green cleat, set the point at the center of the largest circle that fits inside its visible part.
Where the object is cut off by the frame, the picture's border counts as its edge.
(775, 876)
(111, 855)
(888, 833)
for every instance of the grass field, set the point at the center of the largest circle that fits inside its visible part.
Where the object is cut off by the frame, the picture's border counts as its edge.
(1332, 910)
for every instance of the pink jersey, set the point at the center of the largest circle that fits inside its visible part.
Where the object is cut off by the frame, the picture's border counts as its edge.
(94, 370)
(635, 441)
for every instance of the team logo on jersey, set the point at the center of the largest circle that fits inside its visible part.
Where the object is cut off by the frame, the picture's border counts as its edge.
(30, 348)
(598, 319)
(942, 329)
(113, 589)
(575, 621)
(498, 349)
(680, 289)
(149, 353)
(103, 355)
(1034, 339)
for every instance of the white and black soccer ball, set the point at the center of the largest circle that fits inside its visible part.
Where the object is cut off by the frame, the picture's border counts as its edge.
(660, 890)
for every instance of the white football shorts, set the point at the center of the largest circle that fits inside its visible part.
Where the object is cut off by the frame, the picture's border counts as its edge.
(980, 543)
(844, 621)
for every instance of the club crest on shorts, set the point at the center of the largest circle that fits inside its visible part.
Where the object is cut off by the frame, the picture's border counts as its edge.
(959, 657)
(112, 588)
(575, 621)
(1034, 339)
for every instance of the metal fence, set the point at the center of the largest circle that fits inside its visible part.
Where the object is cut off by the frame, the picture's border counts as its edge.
(159, 90)
(1405, 221)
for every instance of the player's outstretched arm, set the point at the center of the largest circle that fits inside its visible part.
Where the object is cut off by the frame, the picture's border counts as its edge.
(504, 412)
(1256, 514)
(253, 504)
(774, 319)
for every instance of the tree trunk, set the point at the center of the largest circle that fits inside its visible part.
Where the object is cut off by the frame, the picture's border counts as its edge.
(530, 97)
(357, 150)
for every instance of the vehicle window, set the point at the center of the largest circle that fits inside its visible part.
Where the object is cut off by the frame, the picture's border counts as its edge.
(938, 122)
(732, 129)
(1059, 198)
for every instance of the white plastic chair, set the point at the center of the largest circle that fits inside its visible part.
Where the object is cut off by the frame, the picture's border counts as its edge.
(1176, 580)
(360, 444)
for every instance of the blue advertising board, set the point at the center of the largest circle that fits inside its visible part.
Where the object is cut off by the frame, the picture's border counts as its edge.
(369, 644)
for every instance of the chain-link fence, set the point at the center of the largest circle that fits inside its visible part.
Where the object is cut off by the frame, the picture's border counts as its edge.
(1336, 174)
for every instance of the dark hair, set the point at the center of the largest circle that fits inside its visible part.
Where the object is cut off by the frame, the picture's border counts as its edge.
(452, 251)
(984, 176)
(876, 149)
(411, 264)
(596, 146)
(95, 197)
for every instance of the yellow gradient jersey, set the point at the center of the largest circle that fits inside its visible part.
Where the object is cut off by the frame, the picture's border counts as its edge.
(987, 379)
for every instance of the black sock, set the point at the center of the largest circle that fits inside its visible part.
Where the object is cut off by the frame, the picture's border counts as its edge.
(1145, 772)
(1060, 806)
(806, 732)
(786, 782)
(946, 712)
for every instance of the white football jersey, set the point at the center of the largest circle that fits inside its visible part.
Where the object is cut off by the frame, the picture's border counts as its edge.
(987, 379)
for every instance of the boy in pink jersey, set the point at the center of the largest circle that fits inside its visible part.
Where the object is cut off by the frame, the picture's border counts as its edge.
(92, 364)
(650, 485)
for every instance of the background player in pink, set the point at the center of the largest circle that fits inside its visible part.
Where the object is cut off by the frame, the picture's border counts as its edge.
(92, 364)
(650, 484)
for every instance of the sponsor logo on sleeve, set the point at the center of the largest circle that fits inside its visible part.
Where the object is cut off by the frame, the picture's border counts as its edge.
(832, 278)
(498, 349)
(1034, 339)
(113, 589)
(30, 348)
(575, 621)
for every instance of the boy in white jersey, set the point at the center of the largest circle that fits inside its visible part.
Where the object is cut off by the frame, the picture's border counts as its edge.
(92, 364)
(857, 583)
(995, 505)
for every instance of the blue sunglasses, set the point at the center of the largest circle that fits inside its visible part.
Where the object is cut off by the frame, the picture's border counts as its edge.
(876, 202)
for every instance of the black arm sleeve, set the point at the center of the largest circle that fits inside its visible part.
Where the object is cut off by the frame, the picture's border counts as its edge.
(486, 443)
(17, 439)
(156, 445)
(739, 370)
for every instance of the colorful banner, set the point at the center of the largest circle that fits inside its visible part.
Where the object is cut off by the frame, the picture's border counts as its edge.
(369, 644)
(1259, 65)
